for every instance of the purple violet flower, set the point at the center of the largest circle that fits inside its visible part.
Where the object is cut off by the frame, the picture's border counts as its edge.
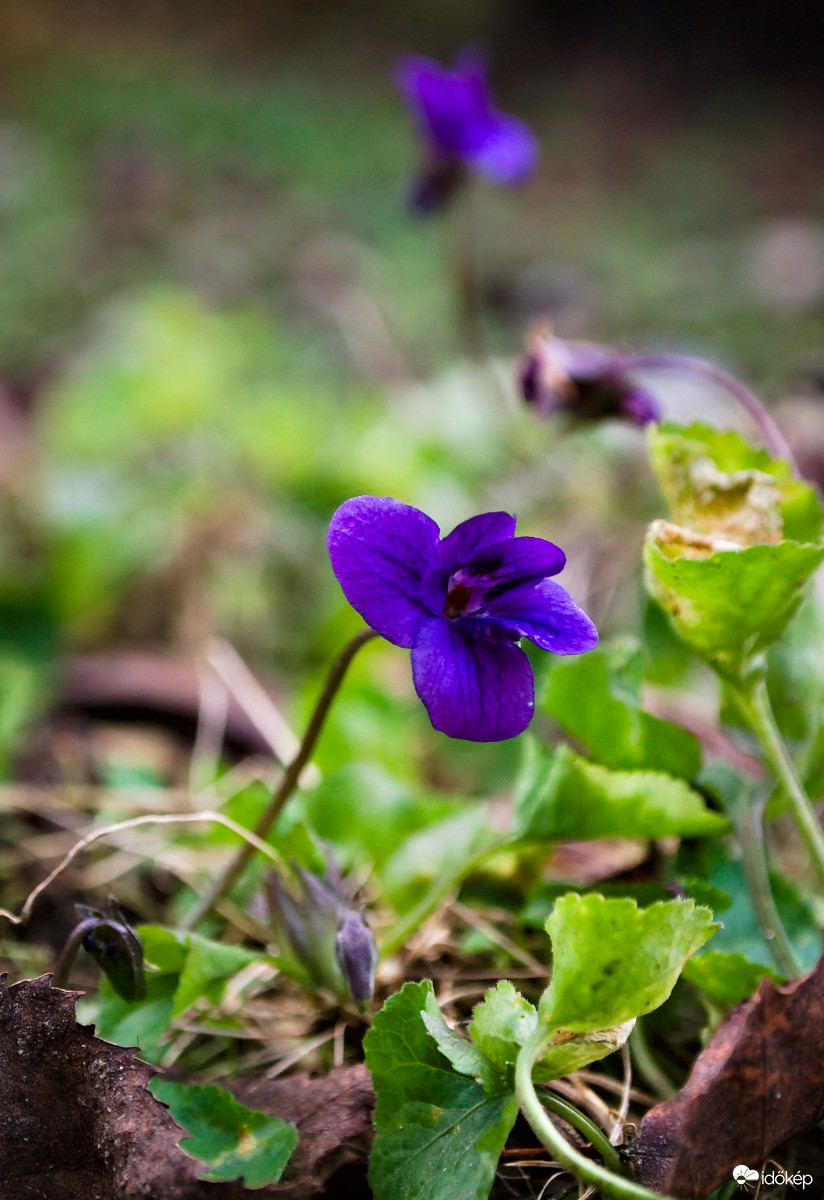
(583, 380)
(461, 129)
(461, 604)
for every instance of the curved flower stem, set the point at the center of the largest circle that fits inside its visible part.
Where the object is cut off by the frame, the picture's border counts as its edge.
(607, 1182)
(773, 438)
(750, 828)
(754, 703)
(66, 961)
(288, 783)
(580, 1121)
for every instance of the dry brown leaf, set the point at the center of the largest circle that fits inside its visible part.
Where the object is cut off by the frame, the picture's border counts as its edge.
(759, 1082)
(328, 1111)
(77, 1122)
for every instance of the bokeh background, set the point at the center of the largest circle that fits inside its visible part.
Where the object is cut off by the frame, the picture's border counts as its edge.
(218, 320)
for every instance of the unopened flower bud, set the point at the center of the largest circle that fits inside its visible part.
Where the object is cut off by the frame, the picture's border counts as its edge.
(328, 940)
(356, 952)
(114, 946)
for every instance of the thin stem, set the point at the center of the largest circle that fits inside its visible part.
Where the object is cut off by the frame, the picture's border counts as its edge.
(289, 782)
(134, 823)
(69, 954)
(646, 1065)
(750, 828)
(729, 1190)
(773, 438)
(463, 252)
(609, 1184)
(580, 1121)
(754, 702)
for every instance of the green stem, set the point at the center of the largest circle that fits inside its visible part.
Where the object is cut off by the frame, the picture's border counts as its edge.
(645, 1064)
(288, 784)
(580, 1121)
(754, 703)
(750, 828)
(608, 1182)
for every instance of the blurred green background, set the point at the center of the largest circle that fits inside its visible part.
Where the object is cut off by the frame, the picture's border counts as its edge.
(218, 319)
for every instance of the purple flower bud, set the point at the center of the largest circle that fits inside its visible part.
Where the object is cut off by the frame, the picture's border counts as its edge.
(356, 952)
(461, 129)
(328, 941)
(585, 381)
(114, 946)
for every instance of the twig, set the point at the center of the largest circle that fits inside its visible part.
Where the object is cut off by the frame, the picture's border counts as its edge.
(211, 730)
(135, 823)
(301, 1052)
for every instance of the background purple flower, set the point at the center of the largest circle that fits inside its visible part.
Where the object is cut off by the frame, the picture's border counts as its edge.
(583, 380)
(461, 128)
(461, 604)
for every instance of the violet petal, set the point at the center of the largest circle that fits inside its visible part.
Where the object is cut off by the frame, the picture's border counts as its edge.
(481, 690)
(470, 536)
(380, 549)
(453, 109)
(508, 152)
(512, 561)
(546, 614)
(639, 406)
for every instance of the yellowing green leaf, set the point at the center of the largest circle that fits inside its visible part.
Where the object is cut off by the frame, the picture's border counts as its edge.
(234, 1141)
(715, 481)
(613, 961)
(504, 1021)
(731, 604)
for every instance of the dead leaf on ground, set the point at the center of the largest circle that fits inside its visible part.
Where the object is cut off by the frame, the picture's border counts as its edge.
(328, 1112)
(77, 1122)
(759, 1082)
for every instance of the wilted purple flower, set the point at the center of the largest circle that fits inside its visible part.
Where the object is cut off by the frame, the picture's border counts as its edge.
(461, 604)
(461, 129)
(585, 381)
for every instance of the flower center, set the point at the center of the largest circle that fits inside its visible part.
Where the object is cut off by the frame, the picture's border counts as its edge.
(457, 601)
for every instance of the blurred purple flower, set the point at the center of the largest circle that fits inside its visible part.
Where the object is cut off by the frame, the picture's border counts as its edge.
(461, 129)
(461, 604)
(585, 381)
